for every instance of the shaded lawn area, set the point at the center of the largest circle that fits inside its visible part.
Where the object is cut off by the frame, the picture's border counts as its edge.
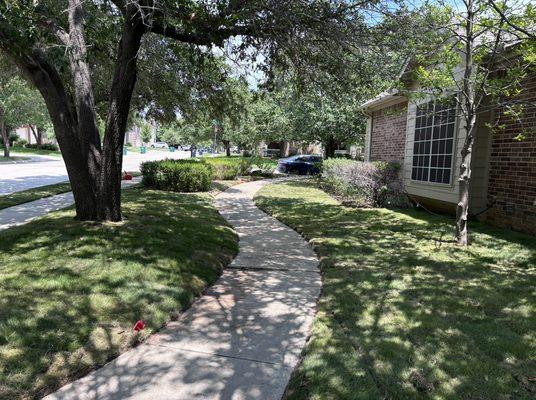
(25, 196)
(11, 159)
(71, 292)
(401, 317)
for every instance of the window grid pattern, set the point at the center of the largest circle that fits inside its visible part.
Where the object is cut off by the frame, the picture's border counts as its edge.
(434, 142)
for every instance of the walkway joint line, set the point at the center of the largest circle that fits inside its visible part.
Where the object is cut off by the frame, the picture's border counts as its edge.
(261, 308)
(215, 354)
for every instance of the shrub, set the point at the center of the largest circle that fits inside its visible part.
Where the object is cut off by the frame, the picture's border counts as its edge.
(259, 166)
(44, 146)
(227, 168)
(177, 175)
(366, 183)
(20, 142)
(13, 137)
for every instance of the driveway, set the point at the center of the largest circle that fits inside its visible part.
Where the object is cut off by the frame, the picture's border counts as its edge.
(48, 170)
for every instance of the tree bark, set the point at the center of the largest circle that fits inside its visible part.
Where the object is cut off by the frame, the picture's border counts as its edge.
(330, 147)
(116, 122)
(37, 134)
(5, 134)
(285, 152)
(464, 181)
(47, 80)
(468, 107)
(88, 128)
(227, 145)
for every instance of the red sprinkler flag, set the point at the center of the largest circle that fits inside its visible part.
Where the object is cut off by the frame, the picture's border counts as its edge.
(139, 325)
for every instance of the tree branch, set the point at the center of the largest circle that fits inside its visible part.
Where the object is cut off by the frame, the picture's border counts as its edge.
(217, 36)
(509, 21)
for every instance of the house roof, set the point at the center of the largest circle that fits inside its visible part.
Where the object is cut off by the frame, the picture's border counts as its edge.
(384, 99)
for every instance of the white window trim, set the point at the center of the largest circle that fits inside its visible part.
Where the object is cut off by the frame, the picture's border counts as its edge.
(455, 134)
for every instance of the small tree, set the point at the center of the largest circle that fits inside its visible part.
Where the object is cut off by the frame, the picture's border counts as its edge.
(146, 132)
(478, 56)
(19, 105)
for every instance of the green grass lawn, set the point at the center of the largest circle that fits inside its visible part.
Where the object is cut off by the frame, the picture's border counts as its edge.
(31, 152)
(404, 314)
(71, 292)
(13, 199)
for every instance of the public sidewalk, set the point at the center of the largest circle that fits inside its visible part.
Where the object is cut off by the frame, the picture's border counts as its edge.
(242, 339)
(23, 213)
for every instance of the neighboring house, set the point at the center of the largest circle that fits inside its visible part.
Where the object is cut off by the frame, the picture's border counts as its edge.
(426, 139)
(133, 136)
(288, 148)
(25, 132)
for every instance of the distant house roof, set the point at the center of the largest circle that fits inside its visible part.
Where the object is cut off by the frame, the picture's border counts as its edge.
(383, 100)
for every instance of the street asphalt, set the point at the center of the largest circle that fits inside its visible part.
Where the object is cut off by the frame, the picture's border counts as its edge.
(42, 170)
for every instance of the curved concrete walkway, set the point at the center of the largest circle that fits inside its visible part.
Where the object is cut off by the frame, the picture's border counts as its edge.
(242, 339)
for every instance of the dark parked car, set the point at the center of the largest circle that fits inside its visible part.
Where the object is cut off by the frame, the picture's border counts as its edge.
(301, 164)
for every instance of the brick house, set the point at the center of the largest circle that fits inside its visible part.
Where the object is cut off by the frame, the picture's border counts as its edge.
(426, 137)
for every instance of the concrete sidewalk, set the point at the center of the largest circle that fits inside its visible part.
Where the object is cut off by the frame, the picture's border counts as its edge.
(23, 213)
(242, 339)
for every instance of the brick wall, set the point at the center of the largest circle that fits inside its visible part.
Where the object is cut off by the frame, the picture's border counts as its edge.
(512, 174)
(388, 136)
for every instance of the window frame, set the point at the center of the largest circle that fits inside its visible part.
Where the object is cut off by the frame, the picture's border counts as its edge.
(454, 146)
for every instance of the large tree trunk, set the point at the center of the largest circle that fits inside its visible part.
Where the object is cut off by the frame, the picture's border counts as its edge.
(94, 173)
(116, 123)
(88, 128)
(46, 79)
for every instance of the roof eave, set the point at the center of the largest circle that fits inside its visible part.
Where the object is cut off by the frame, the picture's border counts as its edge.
(383, 100)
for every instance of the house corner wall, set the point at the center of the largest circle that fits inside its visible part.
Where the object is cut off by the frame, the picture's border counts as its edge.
(512, 169)
(368, 133)
(387, 136)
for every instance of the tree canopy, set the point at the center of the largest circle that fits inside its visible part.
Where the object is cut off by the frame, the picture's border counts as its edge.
(85, 58)
(19, 104)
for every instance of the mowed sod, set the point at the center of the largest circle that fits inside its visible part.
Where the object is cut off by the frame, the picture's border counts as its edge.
(25, 196)
(407, 314)
(70, 292)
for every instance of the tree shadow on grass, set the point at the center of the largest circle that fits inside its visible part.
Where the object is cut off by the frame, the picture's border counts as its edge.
(403, 318)
(240, 340)
(72, 291)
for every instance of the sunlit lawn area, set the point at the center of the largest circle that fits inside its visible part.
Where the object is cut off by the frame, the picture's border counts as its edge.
(71, 292)
(24, 196)
(31, 152)
(405, 316)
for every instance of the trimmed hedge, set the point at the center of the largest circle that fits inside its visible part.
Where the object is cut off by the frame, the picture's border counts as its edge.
(177, 175)
(195, 175)
(44, 146)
